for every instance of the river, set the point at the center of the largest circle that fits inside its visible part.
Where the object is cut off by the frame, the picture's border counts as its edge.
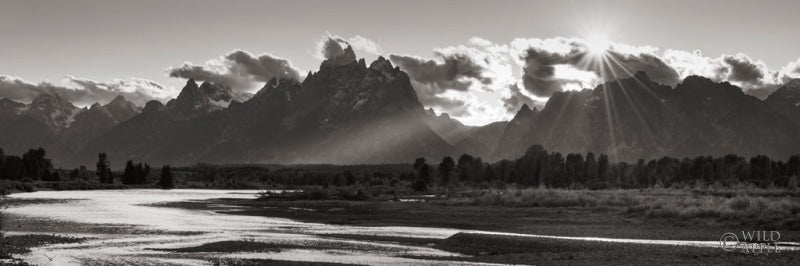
(161, 227)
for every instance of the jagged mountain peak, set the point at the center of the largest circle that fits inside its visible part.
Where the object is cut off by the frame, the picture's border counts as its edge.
(190, 83)
(121, 109)
(207, 97)
(524, 108)
(381, 64)
(277, 84)
(118, 100)
(52, 110)
(121, 102)
(525, 112)
(152, 106)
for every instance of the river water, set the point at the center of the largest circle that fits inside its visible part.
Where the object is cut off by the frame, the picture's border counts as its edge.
(162, 227)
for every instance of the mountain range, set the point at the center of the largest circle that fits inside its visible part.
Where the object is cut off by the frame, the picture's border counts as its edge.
(351, 113)
(634, 118)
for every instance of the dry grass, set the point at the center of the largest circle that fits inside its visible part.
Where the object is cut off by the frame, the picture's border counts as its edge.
(746, 205)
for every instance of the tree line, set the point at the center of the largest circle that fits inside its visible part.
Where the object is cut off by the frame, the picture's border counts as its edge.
(538, 167)
(34, 166)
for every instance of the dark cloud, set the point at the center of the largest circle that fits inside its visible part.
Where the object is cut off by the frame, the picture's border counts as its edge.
(540, 58)
(624, 65)
(453, 73)
(743, 69)
(207, 73)
(336, 50)
(455, 69)
(430, 97)
(238, 69)
(85, 91)
(264, 67)
(332, 47)
(464, 81)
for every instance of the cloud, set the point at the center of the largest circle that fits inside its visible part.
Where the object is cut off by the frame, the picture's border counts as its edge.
(476, 78)
(790, 71)
(83, 92)
(694, 63)
(743, 69)
(15, 88)
(517, 98)
(360, 43)
(541, 58)
(469, 82)
(240, 70)
(137, 90)
(738, 69)
(330, 46)
(457, 71)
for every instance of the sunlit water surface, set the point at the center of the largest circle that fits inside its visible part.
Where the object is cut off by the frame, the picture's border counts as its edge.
(171, 228)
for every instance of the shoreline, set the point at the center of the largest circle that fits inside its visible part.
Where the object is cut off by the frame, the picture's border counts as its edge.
(480, 248)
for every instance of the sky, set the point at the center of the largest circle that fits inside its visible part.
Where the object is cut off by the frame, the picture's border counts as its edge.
(479, 61)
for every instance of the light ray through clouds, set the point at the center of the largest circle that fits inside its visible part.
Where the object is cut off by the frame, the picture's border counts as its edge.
(477, 82)
(544, 66)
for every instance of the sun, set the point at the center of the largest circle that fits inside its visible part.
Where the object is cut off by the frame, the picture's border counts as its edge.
(597, 44)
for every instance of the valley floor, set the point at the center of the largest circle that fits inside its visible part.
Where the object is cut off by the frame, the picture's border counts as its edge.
(477, 226)
(593, 219)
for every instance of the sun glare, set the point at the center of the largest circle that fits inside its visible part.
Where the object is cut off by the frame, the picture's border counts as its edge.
(597, 44)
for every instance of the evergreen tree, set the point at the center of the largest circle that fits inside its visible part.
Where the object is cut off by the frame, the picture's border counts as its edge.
(349, 178)
(446, 168)
(129, 176)
(14, 168)
(74, 174)
(488, 173)
(465, 167)
(146, 174)
(422, 179)
(418, 163)
(166, 181)
(2, 163)
(603, 168)
(103, 169)
(640, 172)
(425, 174)
(36, 165)
(591, 167)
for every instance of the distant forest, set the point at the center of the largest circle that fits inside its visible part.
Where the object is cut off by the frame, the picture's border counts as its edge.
(537, 167)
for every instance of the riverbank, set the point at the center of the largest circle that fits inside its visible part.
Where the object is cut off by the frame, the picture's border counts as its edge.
(662, 214)
(237, 228)
(593, 214)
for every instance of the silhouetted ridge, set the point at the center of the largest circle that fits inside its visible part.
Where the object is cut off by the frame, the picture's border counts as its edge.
(636, 118)
(343, 113)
